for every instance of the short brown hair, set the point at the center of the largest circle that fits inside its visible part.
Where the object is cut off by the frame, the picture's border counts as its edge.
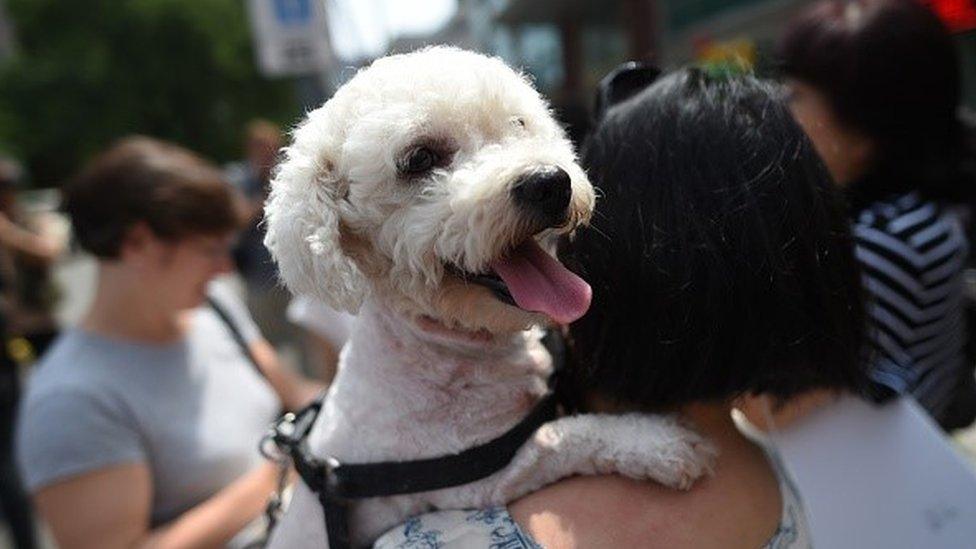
(889, 69)
(140, 179)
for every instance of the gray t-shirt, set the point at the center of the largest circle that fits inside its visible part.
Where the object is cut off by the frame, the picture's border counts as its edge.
(194, 411)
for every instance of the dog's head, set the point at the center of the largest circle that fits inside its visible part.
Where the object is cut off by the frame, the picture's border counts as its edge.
(433, 180)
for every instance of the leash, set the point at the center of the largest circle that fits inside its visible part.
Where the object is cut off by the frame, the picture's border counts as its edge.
(337, 484)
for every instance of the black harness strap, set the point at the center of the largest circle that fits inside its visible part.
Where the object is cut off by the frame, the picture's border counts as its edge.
(235, 333)
(336, 484)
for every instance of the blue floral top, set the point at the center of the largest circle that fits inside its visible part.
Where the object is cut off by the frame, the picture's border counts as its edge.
(494, 528)
(491, 528)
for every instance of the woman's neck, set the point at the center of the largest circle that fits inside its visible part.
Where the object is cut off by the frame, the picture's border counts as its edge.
(123, 307)
(714, 421)
(711, 419)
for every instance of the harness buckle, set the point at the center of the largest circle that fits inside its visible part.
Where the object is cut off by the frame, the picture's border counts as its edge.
(273, 448)
(276, 443)
(331, 482)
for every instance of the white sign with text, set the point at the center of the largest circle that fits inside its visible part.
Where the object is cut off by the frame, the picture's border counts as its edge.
(291, 37)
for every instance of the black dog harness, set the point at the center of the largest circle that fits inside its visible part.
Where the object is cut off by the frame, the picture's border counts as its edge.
(338, 484)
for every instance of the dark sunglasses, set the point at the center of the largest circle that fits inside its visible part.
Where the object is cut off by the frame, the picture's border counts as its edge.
(622, 83)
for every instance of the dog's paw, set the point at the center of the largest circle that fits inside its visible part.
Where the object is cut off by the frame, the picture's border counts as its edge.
(657, 448)
(639, 446)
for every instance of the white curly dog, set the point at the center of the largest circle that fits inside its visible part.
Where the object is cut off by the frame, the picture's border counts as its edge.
(427, 195)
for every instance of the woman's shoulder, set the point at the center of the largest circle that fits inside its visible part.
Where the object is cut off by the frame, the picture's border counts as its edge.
(79, 381)
(908, 221)
(80, 360)
(69, 426)
(604, 511)
(619, 512)
(64, 367)
(910, 247)
(741, 502)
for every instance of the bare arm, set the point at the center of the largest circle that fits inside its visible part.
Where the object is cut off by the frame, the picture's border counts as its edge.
(110, 509)
(611, 511)
(294, 390)
(40, 248)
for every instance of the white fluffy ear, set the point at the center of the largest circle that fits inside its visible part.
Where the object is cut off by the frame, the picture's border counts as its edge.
(303, 223)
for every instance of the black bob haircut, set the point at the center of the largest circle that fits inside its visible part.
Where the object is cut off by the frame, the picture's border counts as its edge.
(720, 255)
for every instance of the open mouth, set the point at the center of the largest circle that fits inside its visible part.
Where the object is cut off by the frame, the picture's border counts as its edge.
(489, 280)
(529, 278)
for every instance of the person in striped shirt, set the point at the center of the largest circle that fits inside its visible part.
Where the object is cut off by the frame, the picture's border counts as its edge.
(876, 85)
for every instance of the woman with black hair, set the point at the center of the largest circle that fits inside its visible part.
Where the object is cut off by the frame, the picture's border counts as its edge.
(876, 85)
(721, 264)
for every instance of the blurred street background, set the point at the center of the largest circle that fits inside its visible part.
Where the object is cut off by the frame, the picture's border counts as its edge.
(75, 76)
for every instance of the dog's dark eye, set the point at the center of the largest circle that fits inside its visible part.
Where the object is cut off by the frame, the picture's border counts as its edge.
(419, 161)
(518, 121)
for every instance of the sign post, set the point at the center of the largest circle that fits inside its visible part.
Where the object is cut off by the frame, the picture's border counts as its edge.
(291, 37)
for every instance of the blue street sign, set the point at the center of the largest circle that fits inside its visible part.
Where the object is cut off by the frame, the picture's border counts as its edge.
(293, 12)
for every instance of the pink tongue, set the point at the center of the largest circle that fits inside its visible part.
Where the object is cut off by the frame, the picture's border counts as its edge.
(541, 284)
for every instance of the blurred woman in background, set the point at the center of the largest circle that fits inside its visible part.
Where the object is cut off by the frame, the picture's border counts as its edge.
(876, 86)
(31, 241)
(26, 254)
(141, 425)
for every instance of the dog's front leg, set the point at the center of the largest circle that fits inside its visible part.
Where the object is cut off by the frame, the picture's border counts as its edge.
(638, 446)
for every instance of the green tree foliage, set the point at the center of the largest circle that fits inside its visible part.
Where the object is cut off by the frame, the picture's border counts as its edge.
(86, 72)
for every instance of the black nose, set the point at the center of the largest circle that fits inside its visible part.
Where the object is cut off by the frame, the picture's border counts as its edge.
(545, 193)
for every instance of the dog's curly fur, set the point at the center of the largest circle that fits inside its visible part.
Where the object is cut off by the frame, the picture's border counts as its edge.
(339, 191)
(435, 364)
